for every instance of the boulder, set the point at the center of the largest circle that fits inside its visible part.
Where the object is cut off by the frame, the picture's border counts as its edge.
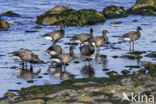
(114, 12)
(143, 7)
(4, 24)
(71, 17)
(10, 13)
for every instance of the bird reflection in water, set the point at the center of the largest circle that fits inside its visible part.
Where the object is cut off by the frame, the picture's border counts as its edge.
(87, 71)
(60, 74)
(27, 74)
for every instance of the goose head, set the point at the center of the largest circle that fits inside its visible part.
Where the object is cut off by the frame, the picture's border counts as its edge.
(35, 58)
(104, 32)
(139, 28)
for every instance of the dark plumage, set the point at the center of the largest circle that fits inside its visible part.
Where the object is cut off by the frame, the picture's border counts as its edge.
(88, 50)
(99, 41)
(26, 55)
(54, 50)
(55, 35)
(65, 58)
(132, 36)
(81, 38)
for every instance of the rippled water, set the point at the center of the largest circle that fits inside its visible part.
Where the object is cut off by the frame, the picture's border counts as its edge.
(16, 38)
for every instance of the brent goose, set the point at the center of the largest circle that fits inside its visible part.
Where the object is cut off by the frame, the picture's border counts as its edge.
(54, 50)
(131, 37)
(25, 55)
(65, 58)
(88, 50)
(99, 41)
(83, 37)
(55, 35)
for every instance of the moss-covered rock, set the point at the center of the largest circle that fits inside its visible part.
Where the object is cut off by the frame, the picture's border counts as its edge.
(150, 66)
(152, 54)
(4, 24)
(10, 13)
(144, 7)
(112, 73)
(114, 12)
(71, 17)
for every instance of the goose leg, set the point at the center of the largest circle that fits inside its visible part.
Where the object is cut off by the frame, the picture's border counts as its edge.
(31, 68)
(130, 46)
(133, 46)
(26, 64)
(22, 65)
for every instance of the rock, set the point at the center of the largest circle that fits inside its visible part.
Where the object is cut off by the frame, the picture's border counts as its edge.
(10, 13)
(126, 81)
(112, 73)
(125, 72)
(114, 12)
(4, 102)
(132, 56)
(133, 66)
(79, 84)
(116, 22)
(53, 102)
(47, 84)
(152, 55)
(37, 101)
(143, 7)
(9, 94)
(36, 27)
(150, 66)
(71, 17)
(4, 24)
(86, 99)
(57, 10)
(109, 90)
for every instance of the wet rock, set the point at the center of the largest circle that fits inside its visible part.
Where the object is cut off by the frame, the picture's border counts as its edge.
(47, 84)
(116, 22)
(142, 71)
(114, 12)
(152, 55)
(144, 7)
(53, 102)
(132, 66)
(57, 10)
(132, 56)
(150, 66)
(4, 24)
(79, 84)
(10, 13)
(30, 81)
(69, 43)
(76, 62)
(115, 56)
(9, 94)
(125, 72)
(112, 73)
(30, 31)
(4, 102)
(126, 81)
(71, 17)
(105, 69)
(37, 27)
(37, 101)
(86, 99)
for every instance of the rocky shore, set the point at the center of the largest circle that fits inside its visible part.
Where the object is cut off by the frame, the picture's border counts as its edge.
(91, 16)
(110, 90)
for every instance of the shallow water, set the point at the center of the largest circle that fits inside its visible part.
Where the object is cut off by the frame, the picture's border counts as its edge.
(16, 38)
